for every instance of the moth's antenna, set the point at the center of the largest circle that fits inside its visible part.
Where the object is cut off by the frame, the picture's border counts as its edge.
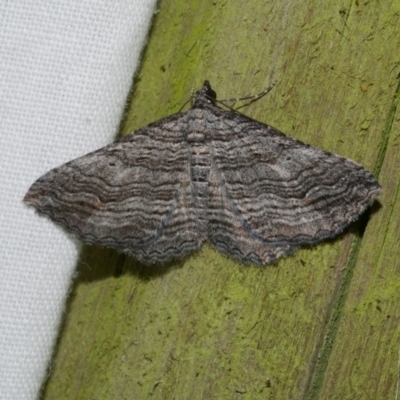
(235, 100)
(250, 98)
(192, 94)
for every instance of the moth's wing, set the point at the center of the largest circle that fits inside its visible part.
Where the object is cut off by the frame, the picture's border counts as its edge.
(273, 193)
(132, 195)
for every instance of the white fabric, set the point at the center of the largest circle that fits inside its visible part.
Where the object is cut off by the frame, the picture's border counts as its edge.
(66, 68)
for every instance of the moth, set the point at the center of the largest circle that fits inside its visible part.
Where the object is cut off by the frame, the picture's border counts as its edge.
(207, 174)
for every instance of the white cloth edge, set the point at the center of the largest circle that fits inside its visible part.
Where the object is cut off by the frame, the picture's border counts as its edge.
(66, 69)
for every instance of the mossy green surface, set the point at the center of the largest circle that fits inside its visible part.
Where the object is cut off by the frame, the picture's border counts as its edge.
(322, 324)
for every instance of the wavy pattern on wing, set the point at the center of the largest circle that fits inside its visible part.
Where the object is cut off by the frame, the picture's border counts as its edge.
(277, 193)
(132, 195)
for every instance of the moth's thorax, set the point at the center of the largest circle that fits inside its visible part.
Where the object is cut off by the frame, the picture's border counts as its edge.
(199, 128)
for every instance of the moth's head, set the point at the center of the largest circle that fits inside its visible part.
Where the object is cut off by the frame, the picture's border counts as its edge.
(206, 93)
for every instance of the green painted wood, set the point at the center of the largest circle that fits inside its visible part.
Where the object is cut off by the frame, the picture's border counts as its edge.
(322, 324)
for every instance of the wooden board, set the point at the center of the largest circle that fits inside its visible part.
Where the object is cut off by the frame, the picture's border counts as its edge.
(322, 324)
